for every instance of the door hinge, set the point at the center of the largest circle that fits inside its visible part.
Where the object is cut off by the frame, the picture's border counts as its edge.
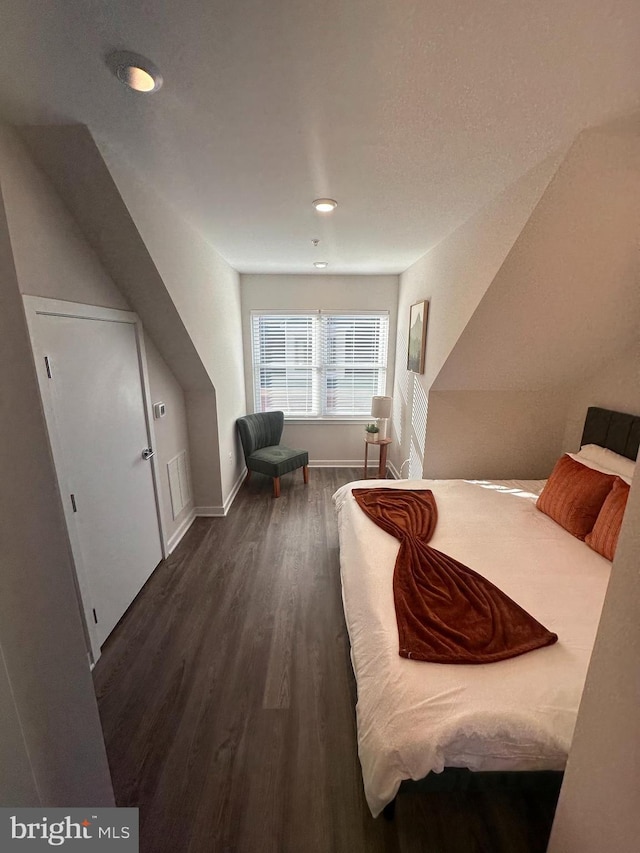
(47, 365)
(73, 503)
(95, 618)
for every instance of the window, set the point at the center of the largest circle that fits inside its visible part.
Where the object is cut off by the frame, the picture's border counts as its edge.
(320, 365)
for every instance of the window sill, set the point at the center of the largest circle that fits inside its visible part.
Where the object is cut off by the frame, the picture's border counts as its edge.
(324, 421)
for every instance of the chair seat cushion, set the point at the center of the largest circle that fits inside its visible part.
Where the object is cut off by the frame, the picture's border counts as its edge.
(277, 460)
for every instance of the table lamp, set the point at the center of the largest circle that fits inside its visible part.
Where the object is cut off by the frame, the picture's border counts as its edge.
(381, 410)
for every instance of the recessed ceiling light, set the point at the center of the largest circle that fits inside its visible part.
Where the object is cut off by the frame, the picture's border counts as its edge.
(135, 71)
(325, 205)
(320, 265)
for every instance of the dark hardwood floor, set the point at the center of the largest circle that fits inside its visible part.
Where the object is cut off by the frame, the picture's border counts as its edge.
(227, 700)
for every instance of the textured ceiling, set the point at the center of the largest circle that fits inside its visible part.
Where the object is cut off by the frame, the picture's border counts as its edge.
(413, 115)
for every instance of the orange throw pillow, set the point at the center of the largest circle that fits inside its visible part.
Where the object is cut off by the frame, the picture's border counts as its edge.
(573, 495)
(604, 536)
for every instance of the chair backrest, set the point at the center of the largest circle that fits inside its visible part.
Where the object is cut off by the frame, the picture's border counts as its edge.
(263, 429)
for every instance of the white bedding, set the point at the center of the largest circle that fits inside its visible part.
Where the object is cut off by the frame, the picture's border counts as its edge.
(415, 717)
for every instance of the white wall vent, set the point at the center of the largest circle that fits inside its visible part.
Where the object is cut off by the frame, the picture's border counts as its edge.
(179, 483)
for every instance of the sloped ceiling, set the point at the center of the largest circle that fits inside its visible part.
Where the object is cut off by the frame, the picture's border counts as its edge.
(412, 114)
(567, 298)
(71, 160)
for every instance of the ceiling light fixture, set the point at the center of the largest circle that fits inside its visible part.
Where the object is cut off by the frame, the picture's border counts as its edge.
(325, 205)
(135, 71)
(320, 265)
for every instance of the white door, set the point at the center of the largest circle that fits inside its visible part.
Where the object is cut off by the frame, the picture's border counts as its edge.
(90, 372)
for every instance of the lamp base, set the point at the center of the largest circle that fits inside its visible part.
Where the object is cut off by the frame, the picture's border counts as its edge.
(382, 427)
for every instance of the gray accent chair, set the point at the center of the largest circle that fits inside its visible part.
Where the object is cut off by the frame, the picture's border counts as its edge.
(260, 435)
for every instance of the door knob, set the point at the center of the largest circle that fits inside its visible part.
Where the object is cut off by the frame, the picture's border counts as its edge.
(148, 452)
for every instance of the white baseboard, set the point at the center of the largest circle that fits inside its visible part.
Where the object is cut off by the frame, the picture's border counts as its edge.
(336, 463)
(174, 539)
(210, 511)
(221, 511)
(234, 491)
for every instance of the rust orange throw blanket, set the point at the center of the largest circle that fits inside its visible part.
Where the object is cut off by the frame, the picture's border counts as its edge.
(446, 612)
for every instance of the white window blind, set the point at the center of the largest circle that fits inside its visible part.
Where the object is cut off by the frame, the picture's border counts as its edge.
(319, 365)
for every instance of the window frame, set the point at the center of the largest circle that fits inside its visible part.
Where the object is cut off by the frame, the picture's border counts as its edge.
(319, 367)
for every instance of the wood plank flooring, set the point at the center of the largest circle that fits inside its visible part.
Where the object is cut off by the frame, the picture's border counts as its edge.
(227, 700)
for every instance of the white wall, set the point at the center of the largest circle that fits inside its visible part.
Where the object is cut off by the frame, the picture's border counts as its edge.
(615, 386)
(51, 255)
(463, 426)
(171, 433)
(41, 633)
(565, 299)
(342, 443)
(562, 303)
(454, 276)
(17, 782)
(166, 269)
(598, 806)
(206, 293)
(203, 437)
(54, 260)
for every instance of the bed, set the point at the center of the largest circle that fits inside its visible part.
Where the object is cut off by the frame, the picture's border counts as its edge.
(416, 718)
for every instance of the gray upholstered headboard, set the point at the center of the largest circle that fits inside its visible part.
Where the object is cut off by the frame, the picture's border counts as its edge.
(615, 430)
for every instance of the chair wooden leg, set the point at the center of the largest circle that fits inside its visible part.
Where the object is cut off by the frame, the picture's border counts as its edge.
(305, 473)
(276, 487)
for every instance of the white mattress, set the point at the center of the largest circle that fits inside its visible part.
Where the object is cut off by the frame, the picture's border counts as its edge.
(415, 717)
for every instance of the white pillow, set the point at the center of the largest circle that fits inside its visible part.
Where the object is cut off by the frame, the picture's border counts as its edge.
(601, 459)
(601, 456)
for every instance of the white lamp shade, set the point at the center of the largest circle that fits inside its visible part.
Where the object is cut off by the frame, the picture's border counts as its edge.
(381, 407)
